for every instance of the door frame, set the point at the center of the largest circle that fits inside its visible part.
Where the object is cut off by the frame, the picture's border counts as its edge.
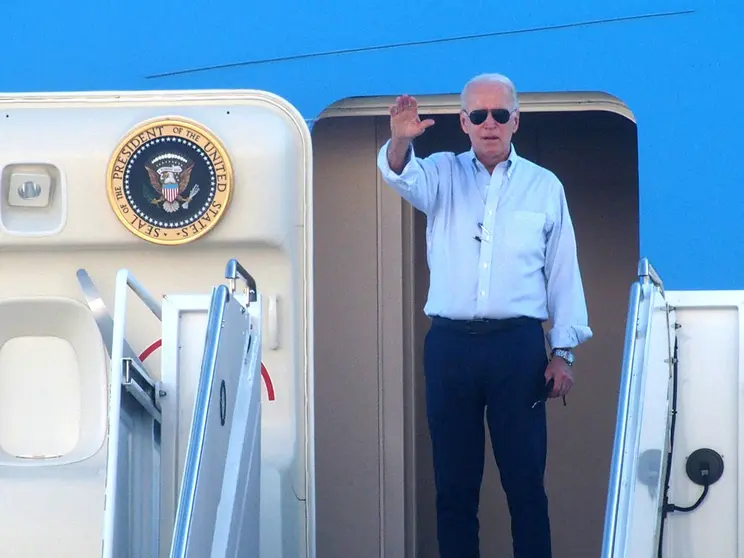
(450, 104)
(396, 322)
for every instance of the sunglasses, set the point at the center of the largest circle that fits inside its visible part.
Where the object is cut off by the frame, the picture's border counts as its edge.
(500, 115)
(545, 393)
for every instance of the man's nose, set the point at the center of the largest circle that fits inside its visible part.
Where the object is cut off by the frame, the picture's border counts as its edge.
(490, 121)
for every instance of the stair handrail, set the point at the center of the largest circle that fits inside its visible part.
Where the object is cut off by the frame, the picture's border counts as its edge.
(612, 518)
(119, 351)
(648, 274)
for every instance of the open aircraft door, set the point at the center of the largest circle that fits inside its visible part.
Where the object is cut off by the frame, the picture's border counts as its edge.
(167, 186)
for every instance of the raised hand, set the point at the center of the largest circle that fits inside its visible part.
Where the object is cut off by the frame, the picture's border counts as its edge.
(405, 123)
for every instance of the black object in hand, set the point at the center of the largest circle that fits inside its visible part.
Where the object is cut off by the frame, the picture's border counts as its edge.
(545, 393)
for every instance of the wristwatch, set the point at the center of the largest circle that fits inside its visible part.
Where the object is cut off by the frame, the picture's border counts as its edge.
(565, 354)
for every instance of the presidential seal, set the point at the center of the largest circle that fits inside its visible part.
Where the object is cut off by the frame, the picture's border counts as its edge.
(170, 181)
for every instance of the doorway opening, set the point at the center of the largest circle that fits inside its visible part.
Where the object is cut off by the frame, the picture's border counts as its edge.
(375, 490)
(594, 154)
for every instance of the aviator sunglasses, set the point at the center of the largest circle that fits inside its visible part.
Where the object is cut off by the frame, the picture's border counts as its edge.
(478, 116)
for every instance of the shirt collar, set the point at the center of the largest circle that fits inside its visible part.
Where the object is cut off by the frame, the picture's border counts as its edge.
(510, 161)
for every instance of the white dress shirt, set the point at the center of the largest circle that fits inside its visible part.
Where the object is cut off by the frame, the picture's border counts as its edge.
(523, 261)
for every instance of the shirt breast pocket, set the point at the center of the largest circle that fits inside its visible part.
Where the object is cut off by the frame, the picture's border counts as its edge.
(524, 233)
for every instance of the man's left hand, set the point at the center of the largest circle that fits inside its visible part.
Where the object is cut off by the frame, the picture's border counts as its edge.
(560, 371)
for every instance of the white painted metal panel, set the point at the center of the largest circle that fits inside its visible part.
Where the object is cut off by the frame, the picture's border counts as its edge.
(710, 414)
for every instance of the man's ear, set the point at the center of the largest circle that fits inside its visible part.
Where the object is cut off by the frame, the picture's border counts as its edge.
(464, 122)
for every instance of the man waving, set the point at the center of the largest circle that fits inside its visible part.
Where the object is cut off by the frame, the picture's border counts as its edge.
(502, 259)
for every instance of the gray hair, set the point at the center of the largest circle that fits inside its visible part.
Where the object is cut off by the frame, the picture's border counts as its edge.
(492, 78)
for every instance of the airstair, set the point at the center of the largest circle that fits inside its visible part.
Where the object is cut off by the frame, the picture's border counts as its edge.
(675, 423)
(219, 490)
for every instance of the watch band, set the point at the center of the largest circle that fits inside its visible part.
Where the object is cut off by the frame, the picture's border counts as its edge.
(565, 354)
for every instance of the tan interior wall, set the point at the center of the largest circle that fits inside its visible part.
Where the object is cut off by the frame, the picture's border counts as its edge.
(359, 390)
(362, 280)
(347, 443)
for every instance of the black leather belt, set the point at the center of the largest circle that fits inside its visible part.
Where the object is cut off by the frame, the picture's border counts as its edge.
(481, 326)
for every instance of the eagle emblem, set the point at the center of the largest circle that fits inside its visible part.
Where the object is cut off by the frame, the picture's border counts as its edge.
(170, 174)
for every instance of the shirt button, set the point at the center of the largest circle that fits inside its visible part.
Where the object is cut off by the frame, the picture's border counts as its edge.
(483, 293)
(485, 265)
(490, 212)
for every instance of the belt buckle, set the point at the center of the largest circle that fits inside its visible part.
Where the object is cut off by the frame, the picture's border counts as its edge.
(472, 325)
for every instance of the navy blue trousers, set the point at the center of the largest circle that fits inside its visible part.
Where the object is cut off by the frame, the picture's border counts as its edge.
(499, 374)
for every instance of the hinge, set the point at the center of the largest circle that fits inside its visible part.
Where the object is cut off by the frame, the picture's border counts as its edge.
(144, 389)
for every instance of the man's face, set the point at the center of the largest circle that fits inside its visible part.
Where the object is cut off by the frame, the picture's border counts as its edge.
(490, 139)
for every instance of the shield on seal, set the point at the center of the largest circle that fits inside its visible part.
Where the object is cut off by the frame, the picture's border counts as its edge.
(170, 191)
